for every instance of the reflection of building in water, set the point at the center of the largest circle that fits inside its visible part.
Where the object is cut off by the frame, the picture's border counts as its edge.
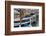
(29, 17)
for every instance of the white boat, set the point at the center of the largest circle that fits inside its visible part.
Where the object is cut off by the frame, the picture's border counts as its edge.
(18, 19)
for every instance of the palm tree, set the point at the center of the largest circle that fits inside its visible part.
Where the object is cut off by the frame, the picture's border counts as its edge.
(21, 15)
